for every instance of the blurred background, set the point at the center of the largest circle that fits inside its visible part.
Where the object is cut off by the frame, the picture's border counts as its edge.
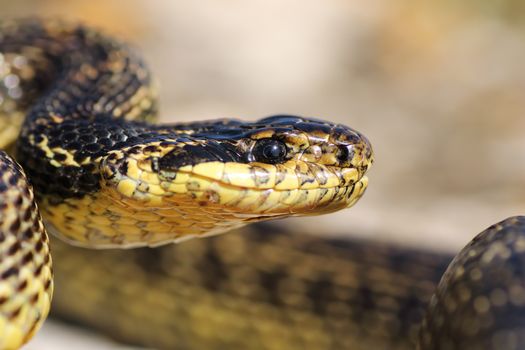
(437, 86)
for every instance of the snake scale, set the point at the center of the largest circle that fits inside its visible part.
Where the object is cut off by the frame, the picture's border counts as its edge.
(76, 111)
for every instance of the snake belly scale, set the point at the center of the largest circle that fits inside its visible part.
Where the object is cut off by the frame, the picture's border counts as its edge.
(105, 176)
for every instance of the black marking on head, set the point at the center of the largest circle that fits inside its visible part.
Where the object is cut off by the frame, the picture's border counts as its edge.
(175, 159)
(155, 164)
(260, 175)
(345, 154)
(346, 135)
(201, 153)
(309, 127)
(222, 133)
(224, 151)
(123, 168)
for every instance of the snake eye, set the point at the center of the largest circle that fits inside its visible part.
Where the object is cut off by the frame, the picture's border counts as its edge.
(269, 151)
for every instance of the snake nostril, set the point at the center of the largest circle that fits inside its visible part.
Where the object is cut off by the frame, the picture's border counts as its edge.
(345, 154)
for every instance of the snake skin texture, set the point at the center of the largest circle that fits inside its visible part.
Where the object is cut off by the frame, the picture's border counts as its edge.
(480, 301)
(106, 178)
(26, 284)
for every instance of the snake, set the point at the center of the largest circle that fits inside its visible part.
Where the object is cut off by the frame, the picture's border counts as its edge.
(120, 193)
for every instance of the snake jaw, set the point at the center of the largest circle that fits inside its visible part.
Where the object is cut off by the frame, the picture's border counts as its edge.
(245, 188)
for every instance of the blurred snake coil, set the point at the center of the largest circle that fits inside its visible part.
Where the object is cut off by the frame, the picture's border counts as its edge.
(76, 111)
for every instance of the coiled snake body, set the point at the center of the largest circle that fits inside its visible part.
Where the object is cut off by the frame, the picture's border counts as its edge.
(107, 178)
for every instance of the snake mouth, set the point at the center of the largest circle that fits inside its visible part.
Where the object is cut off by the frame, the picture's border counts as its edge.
(174, 212)
(254, 189)
(256, 204)
(253, 203)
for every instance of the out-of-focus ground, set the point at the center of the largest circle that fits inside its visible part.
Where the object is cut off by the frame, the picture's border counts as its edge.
(437, 86)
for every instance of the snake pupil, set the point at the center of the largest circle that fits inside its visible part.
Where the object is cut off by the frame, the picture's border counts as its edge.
(269, 151)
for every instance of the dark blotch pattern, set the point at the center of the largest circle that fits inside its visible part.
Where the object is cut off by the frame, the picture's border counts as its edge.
(480, 301)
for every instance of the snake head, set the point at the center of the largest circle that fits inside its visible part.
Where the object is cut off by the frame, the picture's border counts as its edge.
(208, 177)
